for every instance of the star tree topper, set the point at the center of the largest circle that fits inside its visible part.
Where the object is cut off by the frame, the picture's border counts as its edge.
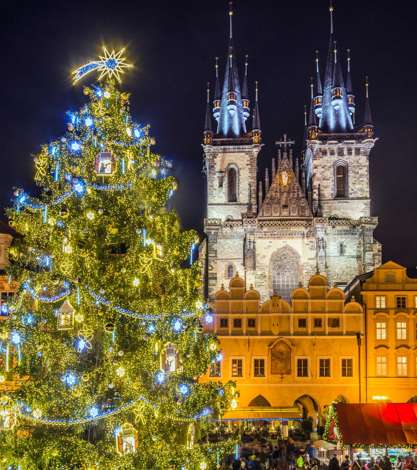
(109, 64)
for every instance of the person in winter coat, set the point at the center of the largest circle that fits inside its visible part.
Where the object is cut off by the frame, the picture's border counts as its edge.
(334, 463)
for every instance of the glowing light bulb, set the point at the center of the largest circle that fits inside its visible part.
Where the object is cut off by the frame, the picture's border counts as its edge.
(135, 282)
(213, 346)
(37, 413)
(2, 379)
(90, 215)
(120, 371)
(88, 122)
(129, 131)
(233, 403)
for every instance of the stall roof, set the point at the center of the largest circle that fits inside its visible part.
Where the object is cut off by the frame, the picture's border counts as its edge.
(379, 424)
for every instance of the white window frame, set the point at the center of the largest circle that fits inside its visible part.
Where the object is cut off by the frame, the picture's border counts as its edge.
(341, 367)
(253, 367)
(401, 333)
(243, 367)
(402, 366)
(380, 333)
(384, 364)
(380, 301)
(330, 367)
(296, 367)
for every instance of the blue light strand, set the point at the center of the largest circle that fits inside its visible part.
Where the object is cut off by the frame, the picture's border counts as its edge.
(94, 414)
(45, 298)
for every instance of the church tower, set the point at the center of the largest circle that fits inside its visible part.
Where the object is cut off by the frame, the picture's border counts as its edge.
(230, 160)
(337, 168)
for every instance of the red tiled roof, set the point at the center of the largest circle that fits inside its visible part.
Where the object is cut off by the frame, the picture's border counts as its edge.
(385, 424)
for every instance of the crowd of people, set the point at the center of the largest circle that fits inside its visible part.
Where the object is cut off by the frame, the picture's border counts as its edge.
(286, 456)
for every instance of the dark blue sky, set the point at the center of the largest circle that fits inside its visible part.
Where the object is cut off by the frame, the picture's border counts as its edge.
(173, 45)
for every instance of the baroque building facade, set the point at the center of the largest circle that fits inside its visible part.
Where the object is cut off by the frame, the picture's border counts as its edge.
(294, 358)
(310, 213)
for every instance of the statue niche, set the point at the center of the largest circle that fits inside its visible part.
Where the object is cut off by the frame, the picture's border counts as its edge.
(281, 359)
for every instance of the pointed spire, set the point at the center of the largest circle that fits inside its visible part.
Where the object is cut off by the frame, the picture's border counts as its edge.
(273, 168)
(318, 78)
(305, 115)
(349, 89)
(256, 119)
(367, 118)
(245, 96)
(348, 74)
(231, 118)
(217, 93)
(207, 123)
(245, 79)
(335, 117)
(208, 130)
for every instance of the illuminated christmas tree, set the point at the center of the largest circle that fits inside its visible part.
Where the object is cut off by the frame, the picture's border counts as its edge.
(106, 329)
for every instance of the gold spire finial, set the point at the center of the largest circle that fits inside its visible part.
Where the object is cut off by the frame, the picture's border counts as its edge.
(367, 87)
(230, 20)
(305, 115)
(208, 92)
(256, 90)
(312, 87)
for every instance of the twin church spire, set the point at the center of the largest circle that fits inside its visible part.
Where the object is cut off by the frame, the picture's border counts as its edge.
(333, 108)
(231, 103)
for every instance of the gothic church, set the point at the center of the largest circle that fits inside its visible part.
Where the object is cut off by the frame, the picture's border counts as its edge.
(310, 213)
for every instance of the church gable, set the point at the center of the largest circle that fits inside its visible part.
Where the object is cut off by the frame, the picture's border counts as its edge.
(285, 197)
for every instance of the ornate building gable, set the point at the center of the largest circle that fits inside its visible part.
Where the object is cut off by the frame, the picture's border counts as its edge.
(285, 198)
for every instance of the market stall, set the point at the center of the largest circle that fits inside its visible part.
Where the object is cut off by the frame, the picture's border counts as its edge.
(374, 429)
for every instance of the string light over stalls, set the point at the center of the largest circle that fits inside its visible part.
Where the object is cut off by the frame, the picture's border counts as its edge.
(110, 65)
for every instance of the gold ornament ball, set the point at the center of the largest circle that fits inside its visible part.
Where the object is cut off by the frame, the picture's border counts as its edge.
(37, 413)
(120, 371)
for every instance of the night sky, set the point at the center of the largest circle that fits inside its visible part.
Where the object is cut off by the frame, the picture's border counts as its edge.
(173, 45)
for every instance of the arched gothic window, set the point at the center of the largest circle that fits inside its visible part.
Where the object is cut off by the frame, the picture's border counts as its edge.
(341, 180)
(232, 185)
(284, 272)
(230, 272)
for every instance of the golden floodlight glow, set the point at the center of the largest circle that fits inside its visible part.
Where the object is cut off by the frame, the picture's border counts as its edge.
(109, 64)
(380, 398)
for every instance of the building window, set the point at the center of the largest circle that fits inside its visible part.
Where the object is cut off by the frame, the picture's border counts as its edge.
(331, 152)
(347, 367)
(324, 367)
(349, 151)
(251, 323)
(341, 180)
(237, 368)
(340, 151)
(402, 366)
(230, 271)
(317, 323)
(302, 323)
(381, 330)
(401, 330)
(216, 369)
(259, 367)
(381, 366)
(401, 301)
(224, 322)
(237, 323)
(302, 367)
(284, 271)
(342, 249)
(357, 151)
(380, 301)
(333, 322)
(232, 185)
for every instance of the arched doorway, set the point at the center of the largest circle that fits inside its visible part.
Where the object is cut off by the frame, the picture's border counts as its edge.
(260, 400)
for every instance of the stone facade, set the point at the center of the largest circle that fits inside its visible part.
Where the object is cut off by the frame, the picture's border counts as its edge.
(302, 225)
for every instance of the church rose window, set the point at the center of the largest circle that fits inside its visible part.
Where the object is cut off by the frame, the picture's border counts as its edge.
(232, 185)
(341, 181)
(284, 271)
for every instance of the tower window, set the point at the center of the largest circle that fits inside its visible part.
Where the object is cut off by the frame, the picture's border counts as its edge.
(232, 185)
(341, 181)
(349, 151)
(230, 271)
(357, 151)
(342, 249)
